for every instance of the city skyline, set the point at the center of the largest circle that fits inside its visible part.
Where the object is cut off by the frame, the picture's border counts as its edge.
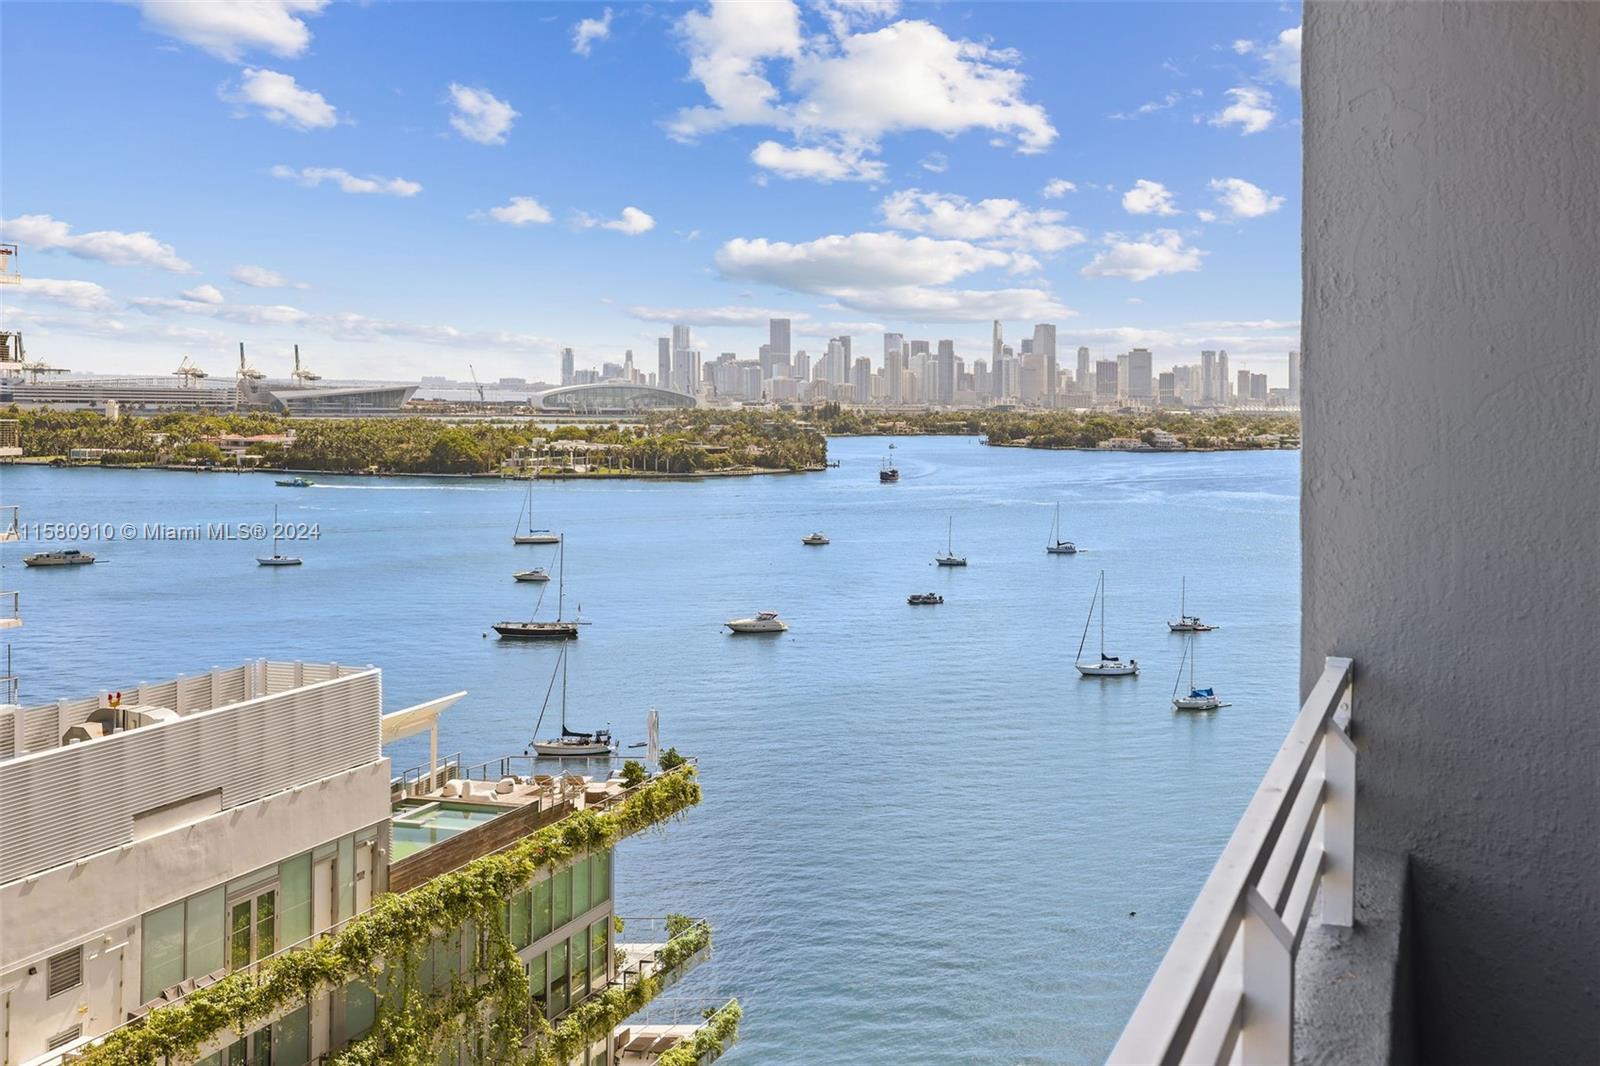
(309, 179)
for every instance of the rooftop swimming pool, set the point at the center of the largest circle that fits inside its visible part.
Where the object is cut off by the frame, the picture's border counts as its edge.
(418, 826)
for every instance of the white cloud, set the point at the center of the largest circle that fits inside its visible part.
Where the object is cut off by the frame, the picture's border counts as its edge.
(108, 246)
(521, 211)
(1149, 256)
(1006, 223)
(632, 221)
(1251, 110)
(587, 31)
(282, 101)
(935, 163)
(921, 304)
(1150, 107)
(1252, 323)
(1205, 216)
(241, 314)
(229, 28)
(1243, 199)
(1243, 47)
(1056, 188)
(81, 295)
(714, 316)
(348, 182)
(1283, 57)
(844, 16)
(259, 277)
(729, 45)
(860, 260)
(203, 294)
(480, 115)
(816, 163)
(1148, 198)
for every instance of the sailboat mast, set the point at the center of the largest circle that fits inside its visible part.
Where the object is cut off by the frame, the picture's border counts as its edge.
(1183, 598)
(950, 535)
(1102, 614)
(1087, 619)
(561, 578)
(563, 691)
(274, 529)
(1179, 679)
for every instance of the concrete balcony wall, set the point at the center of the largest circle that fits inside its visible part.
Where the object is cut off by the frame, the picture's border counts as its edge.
(1450, 509)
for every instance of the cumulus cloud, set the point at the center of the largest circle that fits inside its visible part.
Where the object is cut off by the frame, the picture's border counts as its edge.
(347, 182)
(203, 294)
(1244, 200)
(79, 295)
(1251, 110)
(1205, 216)
(1148, 198)
(921, 304)
(817, 163)
(259, 277)
(1056, 188)
(1280, 56)
(1006, 223)
(935, 163)
(1150, 107)
(586, 32)
(45, 233)
(521, 211)
(714, 316)
(632, 221)
(282, 101)
(479, 115)
(230, 28)
(1145, 257)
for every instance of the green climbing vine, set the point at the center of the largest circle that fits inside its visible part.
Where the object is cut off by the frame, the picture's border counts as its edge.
(720, 1030)
(383, 946)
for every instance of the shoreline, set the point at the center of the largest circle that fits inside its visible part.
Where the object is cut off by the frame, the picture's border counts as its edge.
(55, 463)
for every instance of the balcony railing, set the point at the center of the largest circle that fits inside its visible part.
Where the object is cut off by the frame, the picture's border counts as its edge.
(1225, 991)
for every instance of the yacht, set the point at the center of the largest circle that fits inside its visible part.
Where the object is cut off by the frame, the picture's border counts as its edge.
(571, 743)
(68, 557)
(816, 540)
(538, 574)
(295, 482)
(277, 558)
(1187, 623)
(950, 558)
(559, 629)
(1054, 545)
(1106, 665)
(1198, 699)
(924, 599)
(887, 473)
(764, 622)
(532, 536)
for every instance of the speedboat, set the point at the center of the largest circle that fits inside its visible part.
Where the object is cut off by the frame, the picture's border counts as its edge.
(1198, 699)
(924, 599)
(279, 560)
(538, 573)
(814, 539)
(765, 622)
(67, 557)
(295, 483)
(1109, 666)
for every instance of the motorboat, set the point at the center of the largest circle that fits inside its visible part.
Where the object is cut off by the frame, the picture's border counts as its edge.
(532, 535)
(888, 474)
(1198, 699)
(538, 574)
(295, 482)
(764, 622)
(560, 628)
(572, 743)
(66, 557)
(1187, 623)
(816, 540)
(924, 599)
(1105, 665)
(950, 558)
(1054, 545)
(277, 558)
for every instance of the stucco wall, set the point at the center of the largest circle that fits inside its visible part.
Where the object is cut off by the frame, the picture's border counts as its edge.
(1451, 488)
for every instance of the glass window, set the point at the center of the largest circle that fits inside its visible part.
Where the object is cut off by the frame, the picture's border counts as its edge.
(347, 876)
(521, 919)
(239, 935)
(598, 963)
(291, 1037)
(542, 921)
(580, 885)
(580, 965)
(360, 1010)
(161, 950)
(266, 924)
(562, 887)
(558, 978)
(600, 881)
(537, 981)
(203, 942)
(294, 904)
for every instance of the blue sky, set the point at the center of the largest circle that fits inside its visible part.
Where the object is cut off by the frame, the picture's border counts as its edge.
(406, 188)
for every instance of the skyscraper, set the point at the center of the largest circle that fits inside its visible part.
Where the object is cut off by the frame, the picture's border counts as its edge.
(1243, 389)
(566, 366)
(1044, 348)
(1085, 376)
(664, 362)
(777, 345)
(680, 339)
(1138, 386)
(1224, 389)
(997, 346)
(861, 379)
(1105, 381)
(945, 369)
(1208, 377)
(893, 363)
(1294, 377)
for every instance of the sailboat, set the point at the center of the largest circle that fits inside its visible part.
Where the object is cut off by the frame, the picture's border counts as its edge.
(277, 559)
(1187, 623)
(532, 536)
(571, 742)
(1106, 665)
(950, 558)
(1198, 699)
(1055, 545)
(561, 628)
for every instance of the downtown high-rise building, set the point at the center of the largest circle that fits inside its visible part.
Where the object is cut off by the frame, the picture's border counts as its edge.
(945, 371)
(1085, 376)
(1208, 377)
(1138, 384)
(567, 359)
(997, 341)
(1105, 381)
(894, 361)
(778, 352)
(1224, 385)
(664, 362)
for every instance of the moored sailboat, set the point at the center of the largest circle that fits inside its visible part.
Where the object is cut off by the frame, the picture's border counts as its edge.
(1055, 545)
(1187, 623)
(1198, 699)
(572, 743)
(1106, 665)
(532, 536)
(276, 558)
(559, 629)
(950, 558)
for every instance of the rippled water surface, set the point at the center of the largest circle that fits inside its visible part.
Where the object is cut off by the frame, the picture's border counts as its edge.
(924, 839)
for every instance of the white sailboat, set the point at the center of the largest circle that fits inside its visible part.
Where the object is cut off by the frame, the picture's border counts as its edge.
(571, 743)
(277, 559)
(1198, 699)
(1106, 665)
(1055, 545)
(1187, 623)
(532, 536)
(950, 558)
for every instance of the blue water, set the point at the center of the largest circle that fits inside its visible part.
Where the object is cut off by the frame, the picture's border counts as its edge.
(923, 836)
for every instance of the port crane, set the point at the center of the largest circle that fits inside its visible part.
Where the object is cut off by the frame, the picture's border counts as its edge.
(476, 385)
(300, 376)
(189, 372)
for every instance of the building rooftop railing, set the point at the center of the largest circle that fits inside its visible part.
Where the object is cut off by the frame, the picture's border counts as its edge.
(1225, 990)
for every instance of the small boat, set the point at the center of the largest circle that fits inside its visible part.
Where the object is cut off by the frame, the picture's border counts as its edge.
(814, 539)
(532, 536)
(538, 573)
(764, 622)
(1187, 623)
(1198, 699)
(295, 482)
(950, 558)
(558, 629)
(924, 599)
(892, 444)
(571, 743)
(1055, 545)
(887, 473)
(67, 557)
(277, 558)
(1106, 665)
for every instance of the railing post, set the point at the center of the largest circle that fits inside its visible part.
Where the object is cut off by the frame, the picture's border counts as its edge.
(1338, 888)
(1268, 1035)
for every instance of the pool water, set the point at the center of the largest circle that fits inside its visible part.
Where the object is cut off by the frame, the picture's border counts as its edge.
(417, 827)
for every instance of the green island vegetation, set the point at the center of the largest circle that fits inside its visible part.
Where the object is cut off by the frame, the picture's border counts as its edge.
(686, 442)
(1071, 429)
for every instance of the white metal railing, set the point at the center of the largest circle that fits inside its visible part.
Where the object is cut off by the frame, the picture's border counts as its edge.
(1225, 991)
